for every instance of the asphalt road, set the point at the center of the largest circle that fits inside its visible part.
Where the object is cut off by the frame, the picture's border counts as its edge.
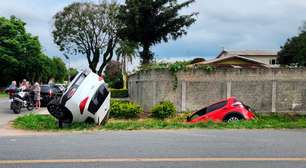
(5, 113)
(171, 148)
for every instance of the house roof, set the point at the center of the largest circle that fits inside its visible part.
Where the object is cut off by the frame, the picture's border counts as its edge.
(221, 59)
(246, 53)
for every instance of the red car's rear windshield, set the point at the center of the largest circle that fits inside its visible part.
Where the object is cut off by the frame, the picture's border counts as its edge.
(208, 109)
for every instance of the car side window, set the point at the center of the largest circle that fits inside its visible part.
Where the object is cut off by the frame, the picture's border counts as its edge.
(216, 106)
(199, 113)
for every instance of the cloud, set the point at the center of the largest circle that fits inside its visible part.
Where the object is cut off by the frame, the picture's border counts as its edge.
(232, 24)
(236, 24)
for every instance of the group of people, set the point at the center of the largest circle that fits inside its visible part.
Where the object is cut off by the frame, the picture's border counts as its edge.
(26, 86)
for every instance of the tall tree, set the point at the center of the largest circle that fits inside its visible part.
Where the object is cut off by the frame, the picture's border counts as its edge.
(20, 52)
(60, 69)
(89, 29)
(293, 53)
(72, 73)
(21, 56)
(126, 52)
(149, 22)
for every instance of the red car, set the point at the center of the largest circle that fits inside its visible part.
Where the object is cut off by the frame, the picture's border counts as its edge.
(226, 110)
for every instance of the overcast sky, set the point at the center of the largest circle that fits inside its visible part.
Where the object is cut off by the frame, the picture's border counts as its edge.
(230, 24)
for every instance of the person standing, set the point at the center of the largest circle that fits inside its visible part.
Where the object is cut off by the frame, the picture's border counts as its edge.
(23, 85)
(36, 91)
(11, 89)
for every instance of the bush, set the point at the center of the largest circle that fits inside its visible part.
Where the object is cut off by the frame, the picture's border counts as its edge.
(119, 93)
(163, 110)
(121, 109)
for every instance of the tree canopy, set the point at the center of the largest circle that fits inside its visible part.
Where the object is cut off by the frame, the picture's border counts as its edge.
(72, 73)
(21, 56)
(149, 22)
(88, 29)
(113, 75)
(293, 53)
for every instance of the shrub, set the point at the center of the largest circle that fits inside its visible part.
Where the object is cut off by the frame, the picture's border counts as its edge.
(122, 109)
(163, 110)
(119, 93)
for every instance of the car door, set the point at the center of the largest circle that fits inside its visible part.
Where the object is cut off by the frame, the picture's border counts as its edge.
(215, 111)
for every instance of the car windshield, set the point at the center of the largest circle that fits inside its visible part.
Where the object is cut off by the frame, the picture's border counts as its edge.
(216, 106)
(45, 88)
(56, 89)
(98, 99)
(199, 113)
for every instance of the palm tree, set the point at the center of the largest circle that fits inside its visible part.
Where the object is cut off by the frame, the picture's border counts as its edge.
(126, 52)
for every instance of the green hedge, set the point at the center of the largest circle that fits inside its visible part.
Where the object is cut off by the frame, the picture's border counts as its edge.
(124, 109)
(163, 110)
(119, 93)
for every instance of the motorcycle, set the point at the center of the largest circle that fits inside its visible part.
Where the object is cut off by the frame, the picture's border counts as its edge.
(22, 99)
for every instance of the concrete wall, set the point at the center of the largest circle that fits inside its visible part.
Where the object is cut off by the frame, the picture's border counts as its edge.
(266, 90)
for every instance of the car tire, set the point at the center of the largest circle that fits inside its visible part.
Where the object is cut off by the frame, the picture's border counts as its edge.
(234, 116)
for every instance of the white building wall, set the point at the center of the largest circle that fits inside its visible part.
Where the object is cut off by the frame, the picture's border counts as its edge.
(265, 59)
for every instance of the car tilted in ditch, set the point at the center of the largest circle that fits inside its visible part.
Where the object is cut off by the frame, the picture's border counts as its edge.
(226, 110)
(86, 99)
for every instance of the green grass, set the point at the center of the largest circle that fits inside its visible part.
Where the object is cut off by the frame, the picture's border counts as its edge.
(46, 122)
(2, 94)
(40, 122)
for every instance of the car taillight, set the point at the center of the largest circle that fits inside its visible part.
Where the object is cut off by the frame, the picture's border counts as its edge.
(83, 104)
(50, 93)
(236, 104)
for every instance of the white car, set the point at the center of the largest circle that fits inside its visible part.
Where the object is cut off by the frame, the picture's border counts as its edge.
(85, 99)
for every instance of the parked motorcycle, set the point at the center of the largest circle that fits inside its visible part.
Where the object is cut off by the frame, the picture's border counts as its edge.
(22, 99)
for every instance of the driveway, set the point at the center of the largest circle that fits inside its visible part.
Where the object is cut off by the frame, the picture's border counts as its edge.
(7, 115)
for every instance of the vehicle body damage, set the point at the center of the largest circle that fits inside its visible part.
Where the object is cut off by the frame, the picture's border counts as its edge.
(85, 99)
(226, 110)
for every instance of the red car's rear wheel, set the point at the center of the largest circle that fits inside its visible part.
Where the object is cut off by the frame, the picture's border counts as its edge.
(233, 117)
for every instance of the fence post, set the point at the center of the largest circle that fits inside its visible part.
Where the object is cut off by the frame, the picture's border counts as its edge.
(183, 96)
(229, 88)
(273, 96)
(154, 93)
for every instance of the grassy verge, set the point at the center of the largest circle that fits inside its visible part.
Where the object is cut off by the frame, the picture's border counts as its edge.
(45, 122)
(2, 94)
(40, 122)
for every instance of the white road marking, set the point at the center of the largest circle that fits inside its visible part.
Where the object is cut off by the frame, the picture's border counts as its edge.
(221, 159)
